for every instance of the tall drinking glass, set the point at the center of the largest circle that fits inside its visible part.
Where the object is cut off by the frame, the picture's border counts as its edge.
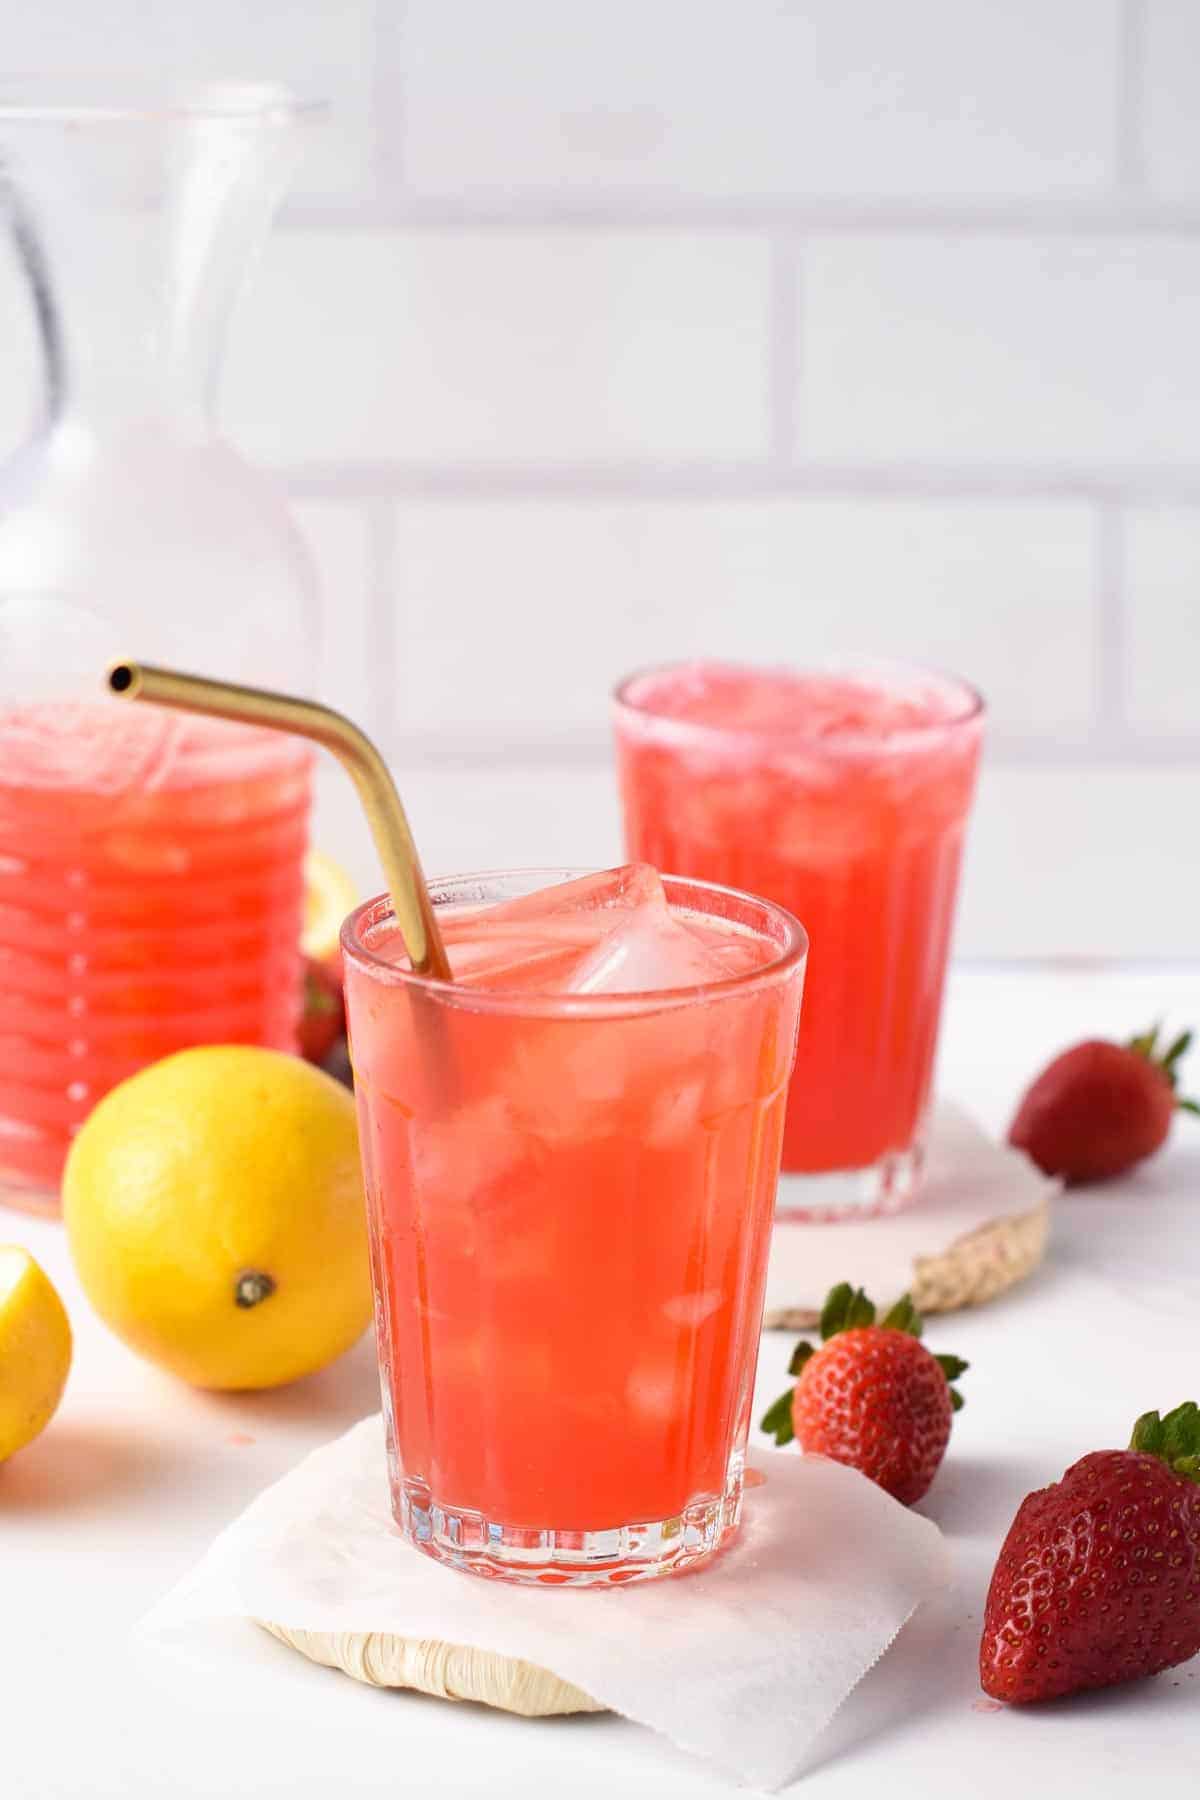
(571, 1190)
(841, 793)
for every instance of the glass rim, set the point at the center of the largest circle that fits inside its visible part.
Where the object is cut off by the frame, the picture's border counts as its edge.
(797, 737)
(549, 1002)
(40, 97)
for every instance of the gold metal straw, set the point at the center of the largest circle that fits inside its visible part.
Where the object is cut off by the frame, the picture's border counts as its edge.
(357, 755)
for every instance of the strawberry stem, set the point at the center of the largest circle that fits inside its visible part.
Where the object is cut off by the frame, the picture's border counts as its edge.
(845, 1308)
(905, 1317)
(1174, 1439)
(1146, 1044)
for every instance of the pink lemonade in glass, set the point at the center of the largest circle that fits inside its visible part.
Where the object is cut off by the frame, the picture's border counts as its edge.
(571, 1156)
(842, 795)
(151, 892)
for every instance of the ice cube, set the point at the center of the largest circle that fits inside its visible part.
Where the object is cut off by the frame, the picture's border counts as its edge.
(648, 951)
(654, 1390)
(537, 942)
(630, 886)
(693, 1309)
(513, 955)
(612, 933)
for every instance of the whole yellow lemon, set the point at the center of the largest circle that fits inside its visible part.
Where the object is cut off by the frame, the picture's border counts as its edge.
(35, 1349)
(214, 1210)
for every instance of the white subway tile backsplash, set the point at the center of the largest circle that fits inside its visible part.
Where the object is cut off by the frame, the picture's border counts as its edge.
(1162, 585)
(518, 816)
(1082, 861)
(1170, 76)
(516, 618)
(817, 97)
(1001, 350)
(323, 49)
(503, 348)
(338, 538)
(1042, 874)
(920, 252)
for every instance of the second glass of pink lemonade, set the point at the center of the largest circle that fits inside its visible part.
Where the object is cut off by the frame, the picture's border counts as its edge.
(571, 1156)
(842, 794)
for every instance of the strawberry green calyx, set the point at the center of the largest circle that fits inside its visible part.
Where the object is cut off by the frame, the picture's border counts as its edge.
(1147, 1044)
(1175, 1439)
(905, 1317)
(847, 1308)
(952, 1367)
(777, 1420)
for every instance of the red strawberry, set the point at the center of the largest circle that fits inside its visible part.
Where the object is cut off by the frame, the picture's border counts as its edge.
(323, 1020)
(1101, 1107)
(1099, 1577)
(872, 1396)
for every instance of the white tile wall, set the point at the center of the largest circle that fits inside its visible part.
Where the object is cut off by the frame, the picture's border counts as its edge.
(480, 347)
(323, 48)
(1045, 865)
(1002, 350)
(340, 540)
(1162, 570)
(601, 333)
(591, 589)
(1170, 64)
(1084, 863)
(757, 98)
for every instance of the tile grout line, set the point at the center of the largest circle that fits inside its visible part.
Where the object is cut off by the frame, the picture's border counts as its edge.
(1129, 160)
(604, 481)
(591, 752)
(1111, 645)
(388, 97)
(1123, 209)
(783, 351)
(382, 539)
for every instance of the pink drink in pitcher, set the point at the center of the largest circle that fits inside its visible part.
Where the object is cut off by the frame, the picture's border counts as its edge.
(151, 892)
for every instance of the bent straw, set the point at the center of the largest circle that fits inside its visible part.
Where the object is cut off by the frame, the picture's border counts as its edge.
(357, 755)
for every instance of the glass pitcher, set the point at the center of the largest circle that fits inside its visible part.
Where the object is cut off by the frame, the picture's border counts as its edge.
(151, 865)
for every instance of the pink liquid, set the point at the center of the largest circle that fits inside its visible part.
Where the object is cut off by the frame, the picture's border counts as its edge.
(843, 798)
(151, 893)
(571, 1178)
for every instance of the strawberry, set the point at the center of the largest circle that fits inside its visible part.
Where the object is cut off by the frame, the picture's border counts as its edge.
(1099, 1577)
(1099, 1108)
(872, 1396)
(323, 1020)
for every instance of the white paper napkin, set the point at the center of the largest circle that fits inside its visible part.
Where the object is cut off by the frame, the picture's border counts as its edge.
(742, 1662)
(968, 1181)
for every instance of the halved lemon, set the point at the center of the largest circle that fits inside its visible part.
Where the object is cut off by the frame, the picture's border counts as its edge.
(329, 894)
(35, 1349)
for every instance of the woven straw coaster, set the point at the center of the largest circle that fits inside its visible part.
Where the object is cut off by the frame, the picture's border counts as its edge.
(449, 1671)
(980, 1224)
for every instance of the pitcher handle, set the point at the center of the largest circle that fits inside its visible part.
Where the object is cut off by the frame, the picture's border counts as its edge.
(32, 257)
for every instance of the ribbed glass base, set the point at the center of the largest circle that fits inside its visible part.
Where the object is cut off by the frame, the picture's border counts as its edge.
(886, 1186)
(548, 1557)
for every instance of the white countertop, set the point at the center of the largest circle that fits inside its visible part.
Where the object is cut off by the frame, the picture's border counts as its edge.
(137, 1474)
